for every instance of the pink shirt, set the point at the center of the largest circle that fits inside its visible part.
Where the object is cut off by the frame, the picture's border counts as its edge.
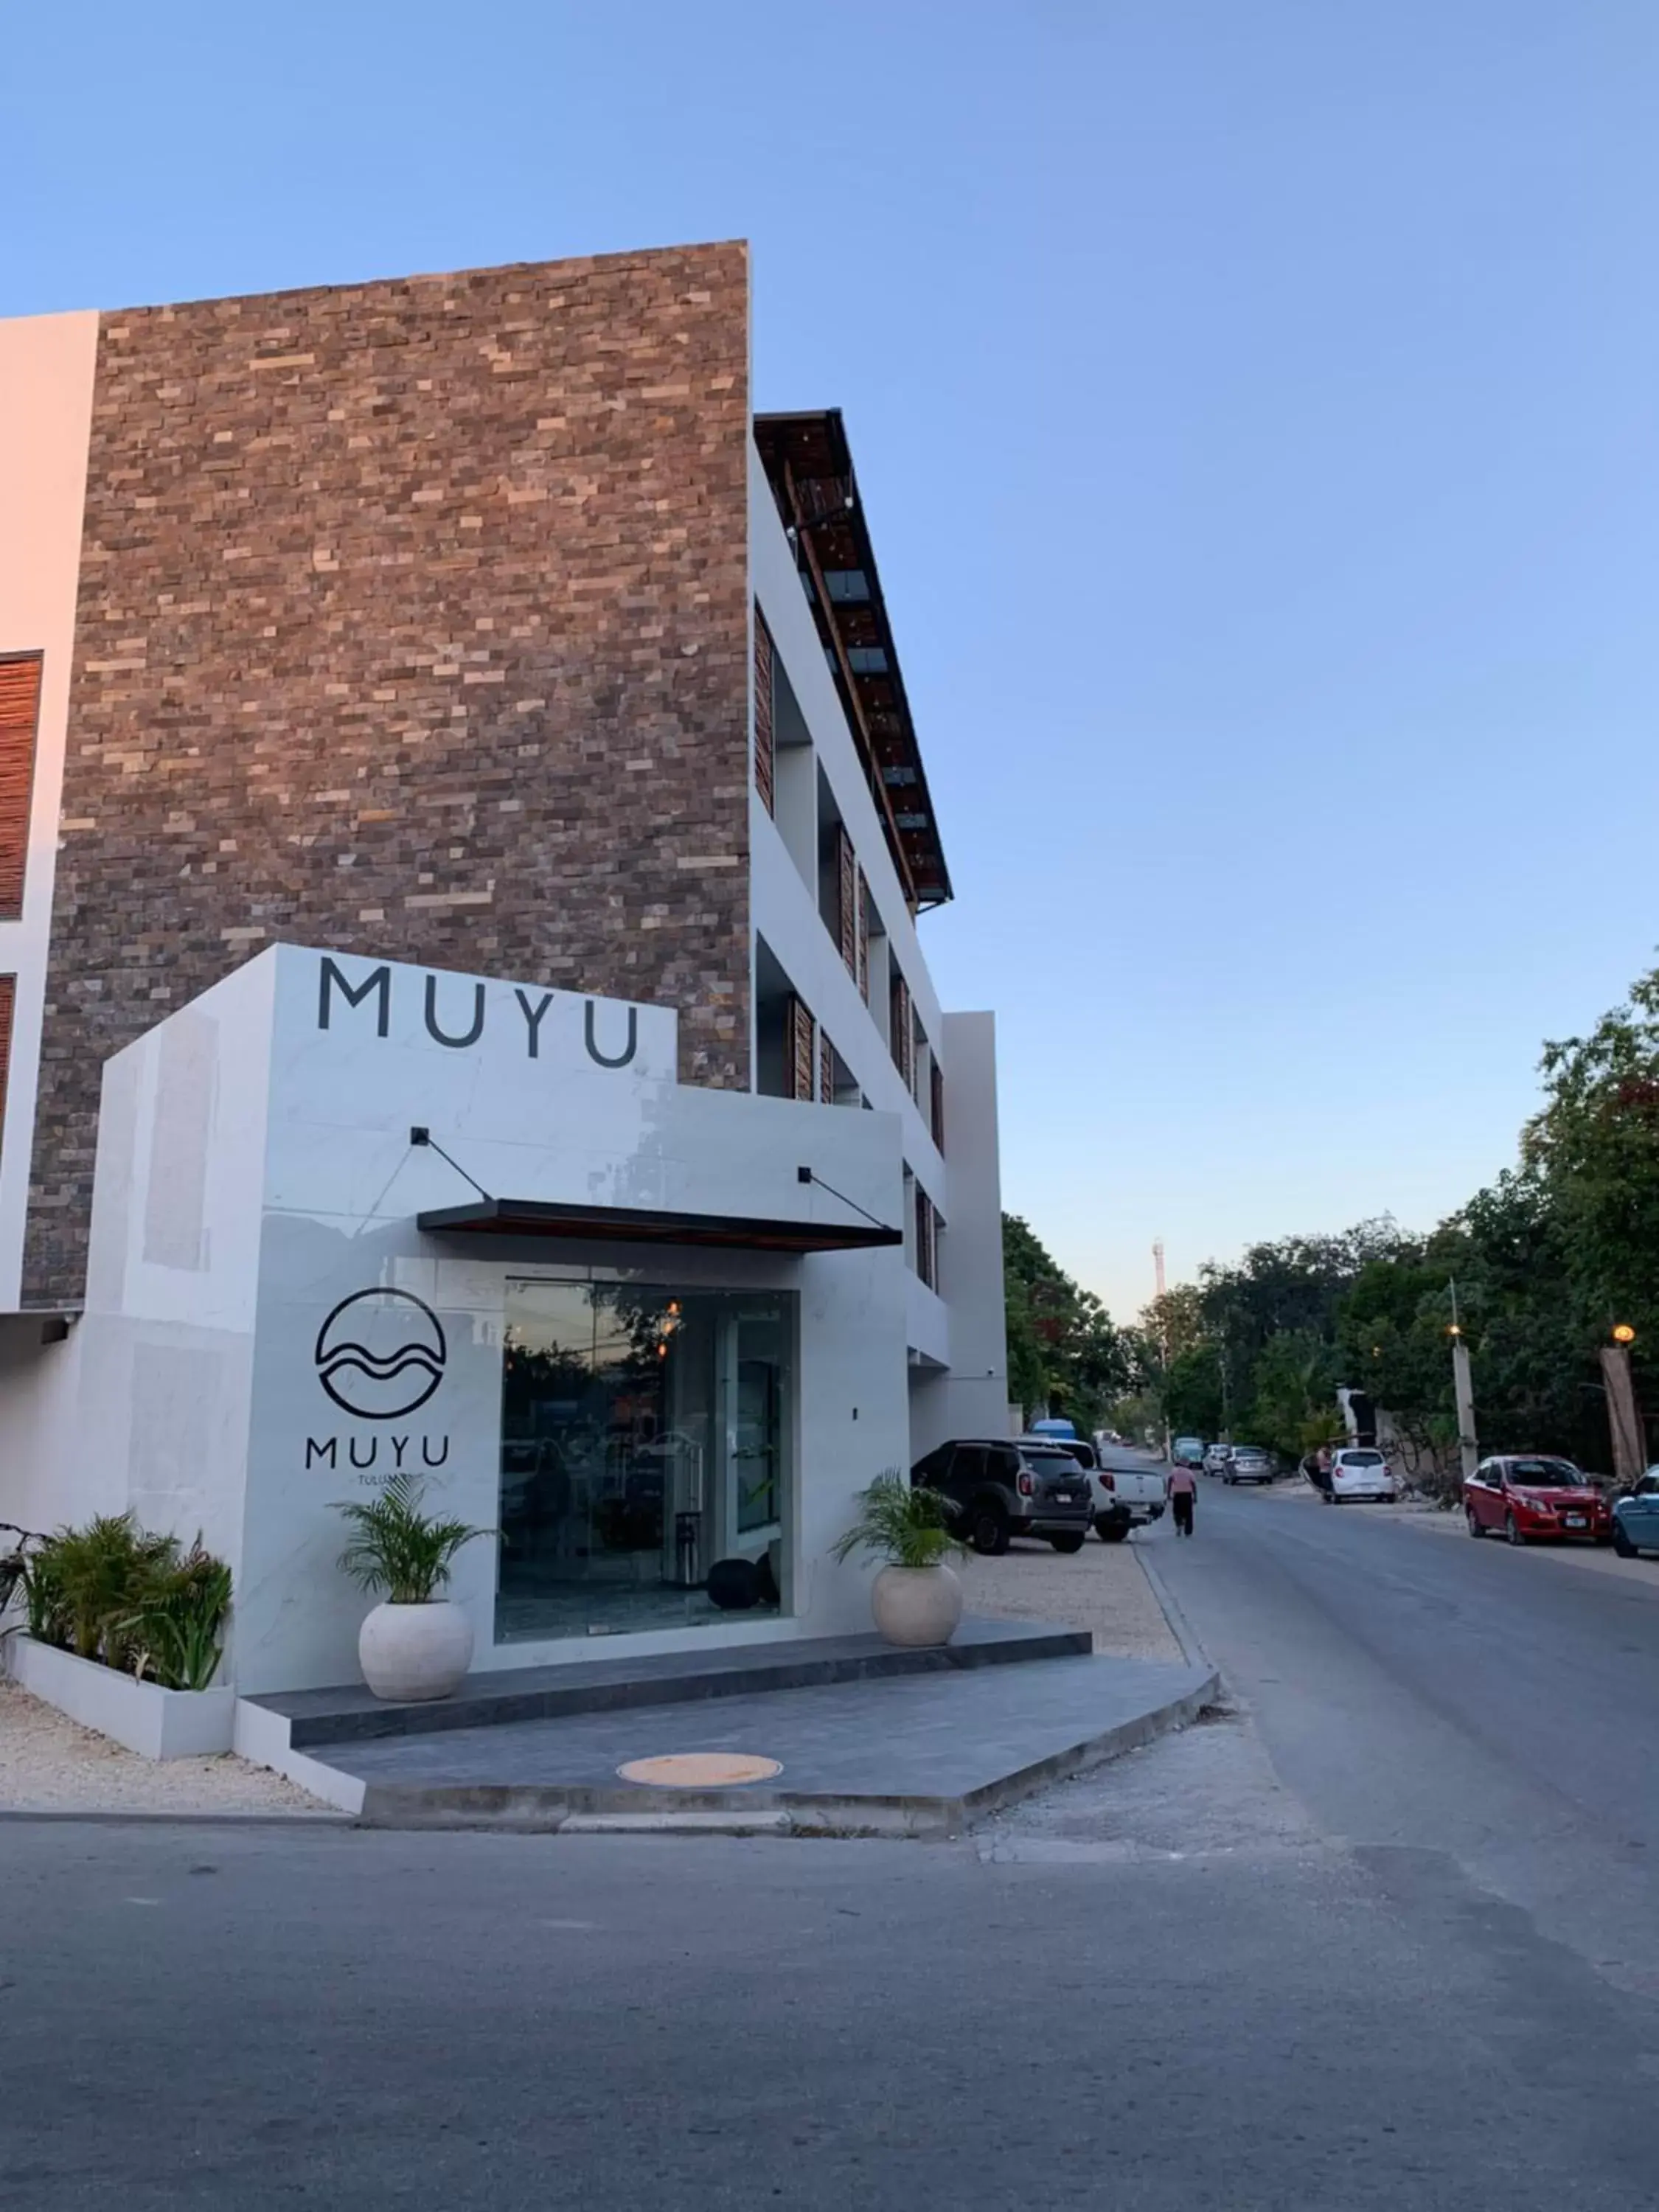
(1180, 1482)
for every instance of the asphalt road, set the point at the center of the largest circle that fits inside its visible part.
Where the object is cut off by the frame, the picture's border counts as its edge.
(1235, 1971)
(1420, 1691)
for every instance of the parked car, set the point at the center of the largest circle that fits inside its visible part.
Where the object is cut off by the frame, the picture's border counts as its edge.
(1216, 1459)
(1636, 1518)
(1359, 1476)
(1524, 1498)
(1187, 1451)
(1248, 1463)
(1127, 1494)
(998, 1490)
(1061, 1432)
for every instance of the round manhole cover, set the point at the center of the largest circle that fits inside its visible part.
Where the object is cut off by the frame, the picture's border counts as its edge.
(700, 1769)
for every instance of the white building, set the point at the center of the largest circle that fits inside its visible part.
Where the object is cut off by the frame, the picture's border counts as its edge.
(676, 1267)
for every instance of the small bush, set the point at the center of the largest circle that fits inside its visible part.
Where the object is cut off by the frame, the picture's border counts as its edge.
(136, 1601)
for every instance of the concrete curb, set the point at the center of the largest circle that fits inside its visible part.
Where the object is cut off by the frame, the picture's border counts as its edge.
(529, 1809)
(111, 1816)
(1192, 1650)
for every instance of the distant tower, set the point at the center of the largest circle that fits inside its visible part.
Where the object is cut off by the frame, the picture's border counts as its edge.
(1158, 1264)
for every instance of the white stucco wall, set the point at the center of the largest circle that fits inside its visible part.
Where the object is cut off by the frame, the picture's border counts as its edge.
(958, 1336)
(46, 364)
(255, 1169)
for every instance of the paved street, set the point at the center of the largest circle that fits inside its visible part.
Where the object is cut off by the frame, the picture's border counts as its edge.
(1423, 1692)
(1355, 1948)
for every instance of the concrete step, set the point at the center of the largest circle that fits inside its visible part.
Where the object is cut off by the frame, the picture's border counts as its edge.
(505, 1696)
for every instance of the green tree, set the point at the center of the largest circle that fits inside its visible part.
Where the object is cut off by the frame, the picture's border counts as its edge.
(1065, 1356)
(1194, 1399)
(1595, 1150)
(1293, 1393)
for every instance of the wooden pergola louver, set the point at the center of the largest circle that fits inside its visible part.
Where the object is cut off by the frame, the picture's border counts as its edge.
(809, 469)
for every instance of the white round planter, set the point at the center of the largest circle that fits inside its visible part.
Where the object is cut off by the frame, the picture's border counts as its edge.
(916, 1605)
(409, 1653)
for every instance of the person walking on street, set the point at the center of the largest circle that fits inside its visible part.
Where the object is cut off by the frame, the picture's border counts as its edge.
(1183, 1491)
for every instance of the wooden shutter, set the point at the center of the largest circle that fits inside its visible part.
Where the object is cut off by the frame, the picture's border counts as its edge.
(861, 966)
(938, 1106)
(20, 711)
(924, 1267)
(826, 1069)
(901, 1042)
(8, 1006)
(764, 741)
(847, 898)
(800, 1050)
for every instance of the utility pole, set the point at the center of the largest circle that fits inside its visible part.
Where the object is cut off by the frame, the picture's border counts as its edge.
(1463, 1390)
(1162, 1337)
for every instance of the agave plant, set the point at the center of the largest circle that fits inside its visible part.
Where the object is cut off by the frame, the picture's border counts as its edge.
(905, 1526)
(397, 1549)
(176, 1628)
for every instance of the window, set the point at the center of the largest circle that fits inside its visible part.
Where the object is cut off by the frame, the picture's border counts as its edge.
(800, 1027)
(900, 1036)
(847, 900)
(926, 1247)
(969, 1465)
(19, 711)
(765, 759)
(936, 1103)
(8, 1008)
(861, 970)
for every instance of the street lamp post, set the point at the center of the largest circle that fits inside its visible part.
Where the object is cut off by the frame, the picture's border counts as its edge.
(1629, 1456)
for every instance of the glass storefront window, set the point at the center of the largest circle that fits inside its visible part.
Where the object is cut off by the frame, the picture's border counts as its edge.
(646, 1436)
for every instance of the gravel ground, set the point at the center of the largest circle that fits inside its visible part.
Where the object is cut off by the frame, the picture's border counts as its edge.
(1102, 1587)
(50, 1764)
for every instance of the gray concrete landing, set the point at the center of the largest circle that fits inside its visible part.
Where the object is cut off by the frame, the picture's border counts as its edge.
(908, 1755)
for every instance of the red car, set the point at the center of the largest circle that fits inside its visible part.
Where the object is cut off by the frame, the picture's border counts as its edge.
(1525, 1499)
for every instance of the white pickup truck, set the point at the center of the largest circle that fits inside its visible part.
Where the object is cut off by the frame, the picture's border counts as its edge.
(1128, 1491)
(1125, 1490)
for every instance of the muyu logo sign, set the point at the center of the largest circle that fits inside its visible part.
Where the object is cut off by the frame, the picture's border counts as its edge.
(381, 1354)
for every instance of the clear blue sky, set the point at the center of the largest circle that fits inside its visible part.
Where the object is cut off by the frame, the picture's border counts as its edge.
(1254, 401)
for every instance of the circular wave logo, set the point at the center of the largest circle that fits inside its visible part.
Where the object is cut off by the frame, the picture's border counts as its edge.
(380, 1354)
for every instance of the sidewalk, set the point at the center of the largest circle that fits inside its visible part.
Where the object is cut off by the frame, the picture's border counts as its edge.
(850, 1736)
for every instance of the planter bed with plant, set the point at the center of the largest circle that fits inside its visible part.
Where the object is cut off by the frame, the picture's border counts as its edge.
(122, 1629)
(416, 1644)
(915, 1600)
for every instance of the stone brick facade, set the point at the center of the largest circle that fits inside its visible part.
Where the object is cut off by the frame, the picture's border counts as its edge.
(413, 620)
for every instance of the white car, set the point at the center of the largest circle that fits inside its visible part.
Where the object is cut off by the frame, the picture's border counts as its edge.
(1360, 1474)
(1216, 1459)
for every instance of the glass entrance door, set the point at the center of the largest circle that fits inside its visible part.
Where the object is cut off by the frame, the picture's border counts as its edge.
(645, 1438)
(754, 1377)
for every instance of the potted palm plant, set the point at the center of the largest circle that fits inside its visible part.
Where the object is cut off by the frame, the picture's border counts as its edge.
(417, 1643)
(916, 1599)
